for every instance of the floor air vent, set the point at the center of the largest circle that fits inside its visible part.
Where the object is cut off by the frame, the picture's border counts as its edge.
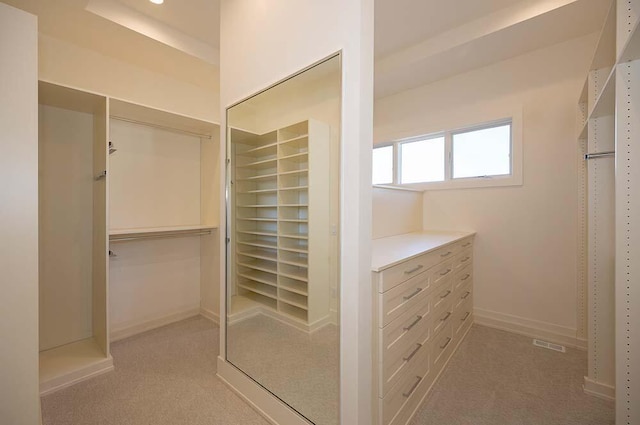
(549, 345)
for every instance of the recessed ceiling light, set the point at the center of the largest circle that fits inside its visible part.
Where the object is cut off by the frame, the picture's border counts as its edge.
(157, 1)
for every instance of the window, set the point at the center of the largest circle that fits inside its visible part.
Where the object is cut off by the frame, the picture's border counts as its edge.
(383, 165)
(485, 152)
(483, 155)
(422, 161)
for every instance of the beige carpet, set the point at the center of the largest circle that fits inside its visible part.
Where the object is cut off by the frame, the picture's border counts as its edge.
(162, 377)
(498, 378)
(167, 376)
(299, 367)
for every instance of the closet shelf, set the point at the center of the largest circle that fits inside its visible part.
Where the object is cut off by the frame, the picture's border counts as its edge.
(294, 236)
(293, 303)
(257, 219)
(259, 288)
(296, 250)
(116, 235)
(605, 103)
(258, 149)
(294, 276)
(261, 256)
(287, 173)
(265, 163)
(295, 205)
(282, 189)
(258, 244)
(294, 220)
(261, 277)
(294, 139)
(260, 177)
(294, 290)
(261, 265)
(293, 263)
(295, 155)
(258, 191)
(250, 232)
(257, 206)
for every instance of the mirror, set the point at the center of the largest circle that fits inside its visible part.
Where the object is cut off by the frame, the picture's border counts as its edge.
(283, 255)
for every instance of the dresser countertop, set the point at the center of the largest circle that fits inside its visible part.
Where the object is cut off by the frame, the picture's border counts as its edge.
(392, 250)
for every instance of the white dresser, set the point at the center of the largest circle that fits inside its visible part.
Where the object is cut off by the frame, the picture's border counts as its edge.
(423, 308)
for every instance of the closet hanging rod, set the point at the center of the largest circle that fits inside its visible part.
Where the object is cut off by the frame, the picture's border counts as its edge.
(599, 154)
(123, 238)
(162, 127)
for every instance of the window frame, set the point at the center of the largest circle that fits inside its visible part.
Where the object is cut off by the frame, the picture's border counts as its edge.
(515, 178)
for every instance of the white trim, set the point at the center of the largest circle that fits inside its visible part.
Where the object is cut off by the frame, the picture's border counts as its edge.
(60, 382)
(532, 328)
(210, 315)
(262, 401)
(331, 318)
(133, 328)
(598, 389)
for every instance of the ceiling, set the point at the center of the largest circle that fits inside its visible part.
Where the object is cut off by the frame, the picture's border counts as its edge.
(416, 41)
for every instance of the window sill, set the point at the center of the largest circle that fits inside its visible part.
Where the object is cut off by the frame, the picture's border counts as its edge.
(470, 183)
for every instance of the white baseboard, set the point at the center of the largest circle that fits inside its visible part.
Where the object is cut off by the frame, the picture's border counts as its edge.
(531, 328)
(68, 379)
(129, 329)
(598, 389)
(210, 314)
(263, 402)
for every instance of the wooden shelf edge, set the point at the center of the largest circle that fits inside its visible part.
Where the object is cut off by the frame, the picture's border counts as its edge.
(606, 96)
(126, 234)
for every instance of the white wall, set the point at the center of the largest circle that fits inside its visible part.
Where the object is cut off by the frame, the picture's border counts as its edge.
(66, 225)
(67, 64)
(263, 42)
(19, 394)
(396, 212)
(525, 257)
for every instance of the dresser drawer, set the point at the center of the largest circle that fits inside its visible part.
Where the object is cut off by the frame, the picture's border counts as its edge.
(441, 318)
(442, 273)
(462, 277)
(394, 370)
(463, 259)
(442, 348)
(463, 318)
(399, 273)
(397, 301)
(441, 296)
(396, 404)
(401, 333)
(462, 296)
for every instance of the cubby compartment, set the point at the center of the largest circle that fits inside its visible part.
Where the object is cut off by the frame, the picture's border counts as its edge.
(295, 131)
(294, 230)
(297, 145)
(293, 272)
(293, 181)
(298, 196)
(294, 164)
(293, 285)
(294, 258)
(294, 245)
(294, 213)
(293, 311)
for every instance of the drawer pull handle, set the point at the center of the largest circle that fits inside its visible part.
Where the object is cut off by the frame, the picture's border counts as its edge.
(464, 260)
(413, 294)
(465, 316)
(413, 388)
(466, 245)
(466, 276)
(445, 295)
(415, 322)
(446, 316)
(446, 272)
(413, 270)
(446, 254)
(413, 353)
(466, 294)
(442, 347)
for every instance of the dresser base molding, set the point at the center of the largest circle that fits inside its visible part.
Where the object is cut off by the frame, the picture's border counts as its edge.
(531, 328)
(598, 389)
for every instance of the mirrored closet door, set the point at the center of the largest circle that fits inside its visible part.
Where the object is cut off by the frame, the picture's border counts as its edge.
(283, 250)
